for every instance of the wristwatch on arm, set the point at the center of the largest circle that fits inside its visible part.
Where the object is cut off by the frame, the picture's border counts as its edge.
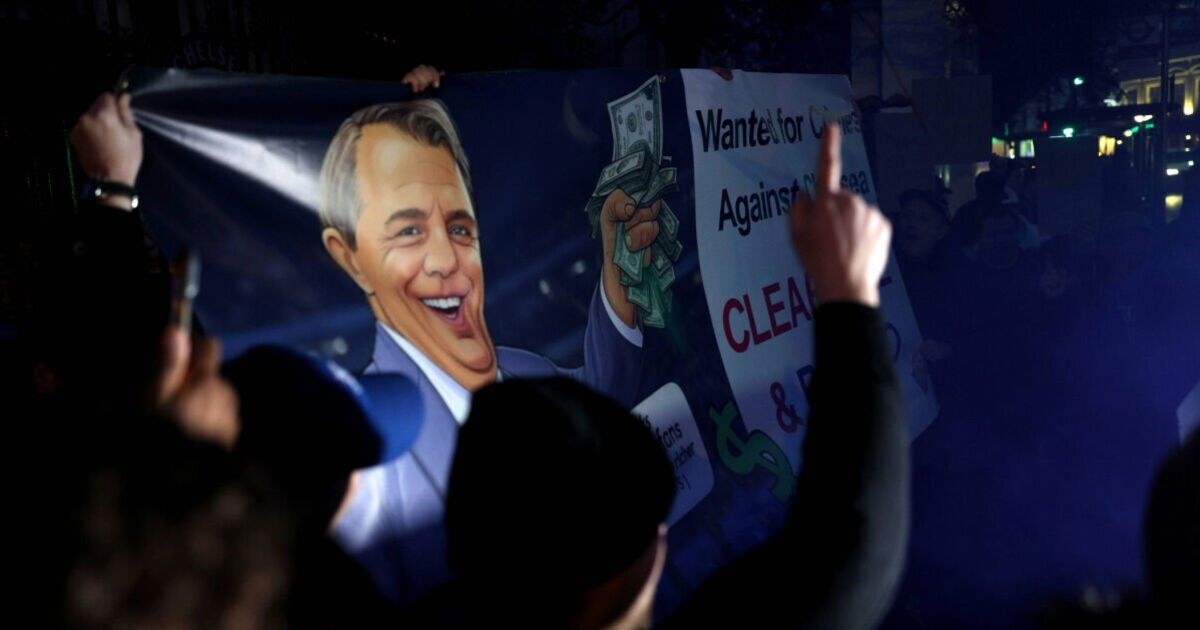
(110, 193)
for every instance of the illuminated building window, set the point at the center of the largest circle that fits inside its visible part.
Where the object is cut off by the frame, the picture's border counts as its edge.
(1174, 203)
(999, 147)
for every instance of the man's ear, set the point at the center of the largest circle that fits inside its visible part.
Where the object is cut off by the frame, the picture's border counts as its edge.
(343, 255)
(626, 600)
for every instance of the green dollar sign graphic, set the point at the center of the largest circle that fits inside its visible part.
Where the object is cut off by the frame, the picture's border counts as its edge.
(758, 450)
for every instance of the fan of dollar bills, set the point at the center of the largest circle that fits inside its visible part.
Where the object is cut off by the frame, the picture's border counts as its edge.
(637, 169)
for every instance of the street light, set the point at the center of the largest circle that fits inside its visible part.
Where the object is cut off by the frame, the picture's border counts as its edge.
(1078, 81)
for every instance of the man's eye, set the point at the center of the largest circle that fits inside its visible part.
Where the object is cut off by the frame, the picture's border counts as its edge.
(410, 230)
(461, 230)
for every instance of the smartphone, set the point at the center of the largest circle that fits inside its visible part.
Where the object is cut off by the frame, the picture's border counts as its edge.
(121, 85)
(185, 275)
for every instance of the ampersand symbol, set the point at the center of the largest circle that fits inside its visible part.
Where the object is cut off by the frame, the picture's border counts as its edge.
(782, 409)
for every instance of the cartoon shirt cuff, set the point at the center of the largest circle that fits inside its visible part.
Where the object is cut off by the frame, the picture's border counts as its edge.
(632, 334)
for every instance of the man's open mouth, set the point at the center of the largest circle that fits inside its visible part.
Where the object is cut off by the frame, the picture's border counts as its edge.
(447, 307)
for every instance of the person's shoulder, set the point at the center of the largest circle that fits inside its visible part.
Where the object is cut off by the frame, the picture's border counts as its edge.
(323, 574)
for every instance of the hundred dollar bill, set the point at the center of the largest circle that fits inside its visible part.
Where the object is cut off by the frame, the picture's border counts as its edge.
(625, 260)
(655, 315)
(671, 246)
(663, 182)
(635, 169)
(664, 268)
(668, 221)
(638, 116)
(639, 295)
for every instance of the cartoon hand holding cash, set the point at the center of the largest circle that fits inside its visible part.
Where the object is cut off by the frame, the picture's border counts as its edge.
(639, 231)
(638, 227)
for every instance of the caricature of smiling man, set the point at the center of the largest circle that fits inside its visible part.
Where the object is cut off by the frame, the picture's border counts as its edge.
(399, 218)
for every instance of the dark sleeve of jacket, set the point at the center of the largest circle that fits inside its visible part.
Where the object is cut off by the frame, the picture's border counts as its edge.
(106, 256)
(838, 559)
(101, 299)
(117, 239)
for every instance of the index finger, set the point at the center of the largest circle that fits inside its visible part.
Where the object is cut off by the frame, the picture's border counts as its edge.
(619, 205)
(124, 110)
(206, 356)
(829, 161)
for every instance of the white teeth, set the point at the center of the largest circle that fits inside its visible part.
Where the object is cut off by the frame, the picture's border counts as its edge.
(443, 303)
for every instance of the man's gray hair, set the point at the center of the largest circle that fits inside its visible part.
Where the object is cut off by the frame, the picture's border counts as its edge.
(425, 120)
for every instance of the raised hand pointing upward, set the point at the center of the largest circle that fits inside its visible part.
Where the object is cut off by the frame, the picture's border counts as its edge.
(841, 240)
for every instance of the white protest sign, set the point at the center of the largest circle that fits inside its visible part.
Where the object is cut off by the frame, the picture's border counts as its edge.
(754, 147)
